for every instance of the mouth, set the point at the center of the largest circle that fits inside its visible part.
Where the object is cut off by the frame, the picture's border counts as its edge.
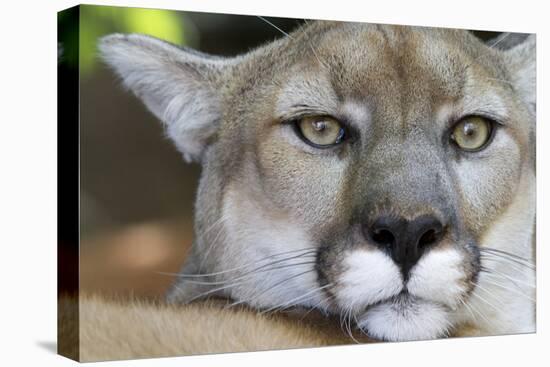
(370, 285)
(405, 317)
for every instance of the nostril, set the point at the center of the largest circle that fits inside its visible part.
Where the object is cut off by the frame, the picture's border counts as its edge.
(383, 237)
(428, 238)
(405, 240)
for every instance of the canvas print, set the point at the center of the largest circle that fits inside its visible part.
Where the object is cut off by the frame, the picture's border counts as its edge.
(244, 183)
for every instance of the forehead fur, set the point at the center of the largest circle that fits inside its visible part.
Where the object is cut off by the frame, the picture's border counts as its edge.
(401, 73)
(356, 54)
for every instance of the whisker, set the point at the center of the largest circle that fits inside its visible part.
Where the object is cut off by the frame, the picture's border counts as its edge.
(493, 45)
(341, 314)
(289, 303)
(233, 283)
(509, 289)
(317, 56)
(487, 272)
(347, 323)
(495, 257)
(476, 310)
(213, 244)
(250, 273)
(274, 26)
(271, 287)
(289, 36)
(349, 328)
(308, 40)
(501, 275)
(211, 227)
(467, 307)
(211, 291)
(490, 294)
(261, 268)
(509, 264)
(506, 253)
(306, 251)
(483, 299)
(316, 307)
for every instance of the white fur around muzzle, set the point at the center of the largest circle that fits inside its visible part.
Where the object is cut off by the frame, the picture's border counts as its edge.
(372, 287)
(403, 319)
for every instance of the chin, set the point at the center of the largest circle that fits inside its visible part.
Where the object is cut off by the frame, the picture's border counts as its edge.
(404, 318)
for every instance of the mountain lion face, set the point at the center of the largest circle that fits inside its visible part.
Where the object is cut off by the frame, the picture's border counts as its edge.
(382, 173)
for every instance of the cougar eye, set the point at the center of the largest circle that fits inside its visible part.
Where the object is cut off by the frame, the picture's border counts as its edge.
(321, 131)
(472, 133)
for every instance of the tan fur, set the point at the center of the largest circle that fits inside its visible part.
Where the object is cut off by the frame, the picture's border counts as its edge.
(266, 193)
(112, 328)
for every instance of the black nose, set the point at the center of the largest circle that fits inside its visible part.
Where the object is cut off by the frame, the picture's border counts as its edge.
(405, 240)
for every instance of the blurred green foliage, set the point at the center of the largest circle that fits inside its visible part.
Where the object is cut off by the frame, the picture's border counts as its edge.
(97, 21)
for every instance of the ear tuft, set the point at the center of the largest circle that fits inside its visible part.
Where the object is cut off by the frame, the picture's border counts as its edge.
(178, 85)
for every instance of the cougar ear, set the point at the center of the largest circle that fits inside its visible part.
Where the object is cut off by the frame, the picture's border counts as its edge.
(179, 86)
(520, 54)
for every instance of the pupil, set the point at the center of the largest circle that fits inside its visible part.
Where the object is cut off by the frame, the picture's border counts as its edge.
(469, 130)
(319, 125)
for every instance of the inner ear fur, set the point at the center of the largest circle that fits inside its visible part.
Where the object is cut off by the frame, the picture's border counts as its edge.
(180, 86)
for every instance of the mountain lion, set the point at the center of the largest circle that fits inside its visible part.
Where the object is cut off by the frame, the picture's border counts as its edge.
(381, 174)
